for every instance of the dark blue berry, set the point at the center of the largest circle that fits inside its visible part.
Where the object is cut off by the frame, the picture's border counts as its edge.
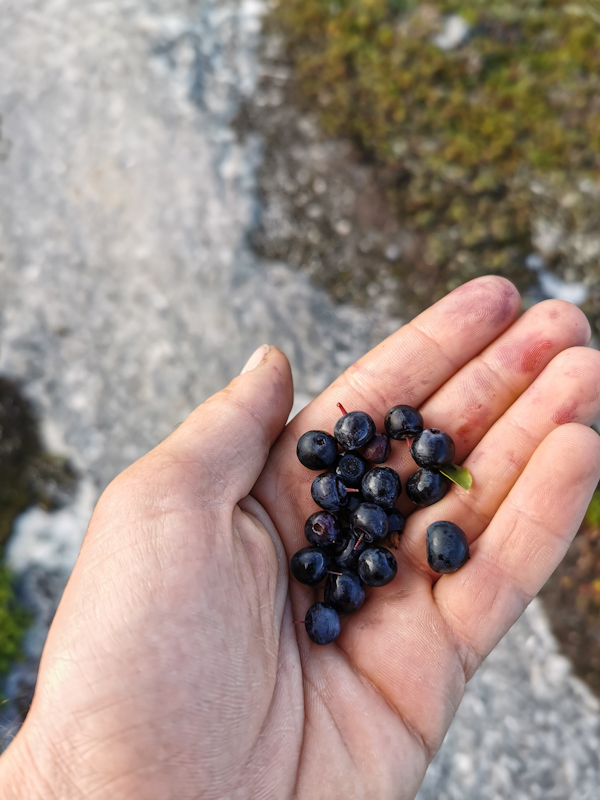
(354, 430)
(395, 521)
(377, 566)
(426, 486)
(381, 485)
(317, 450)
(322, 528)
(354, 500)
(377, 450)
(322, 623)
(447, 547)
(370, 520)
(329, 491)
(345, 554)
(432, 449)
(344, 592)
(351, 467)
(310, 565)
(403, 422)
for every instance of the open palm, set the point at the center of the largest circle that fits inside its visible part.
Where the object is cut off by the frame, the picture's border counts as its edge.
(173, 668)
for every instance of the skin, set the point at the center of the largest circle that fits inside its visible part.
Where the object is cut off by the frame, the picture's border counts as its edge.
(173, 668)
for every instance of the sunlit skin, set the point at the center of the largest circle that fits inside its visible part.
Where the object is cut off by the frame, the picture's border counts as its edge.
(173, 668)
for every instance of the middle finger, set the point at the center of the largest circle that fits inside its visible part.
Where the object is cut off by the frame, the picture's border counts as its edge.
(473, 399)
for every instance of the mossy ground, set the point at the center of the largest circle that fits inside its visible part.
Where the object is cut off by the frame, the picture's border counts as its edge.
(28, 476)
(572, 599)
(14, 621)
(493, 148)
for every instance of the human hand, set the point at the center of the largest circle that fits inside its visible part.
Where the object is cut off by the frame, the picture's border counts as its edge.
(173, 668)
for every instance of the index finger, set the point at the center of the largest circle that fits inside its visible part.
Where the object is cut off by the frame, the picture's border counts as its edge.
(412, 363)
(407, 367)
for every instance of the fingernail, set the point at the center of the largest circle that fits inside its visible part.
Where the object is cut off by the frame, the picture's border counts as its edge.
(256, 358)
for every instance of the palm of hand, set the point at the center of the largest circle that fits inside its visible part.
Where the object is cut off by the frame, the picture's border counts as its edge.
(173, 668)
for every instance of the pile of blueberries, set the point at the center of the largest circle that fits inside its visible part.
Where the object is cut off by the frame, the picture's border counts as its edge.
(357, 510)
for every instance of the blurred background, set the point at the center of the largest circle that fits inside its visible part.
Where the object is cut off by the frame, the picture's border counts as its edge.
(182, 180)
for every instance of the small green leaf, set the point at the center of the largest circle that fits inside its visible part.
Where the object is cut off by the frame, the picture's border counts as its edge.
(458, 475)
(592, 515)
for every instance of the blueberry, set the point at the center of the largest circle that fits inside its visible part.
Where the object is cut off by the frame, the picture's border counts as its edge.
(329, 491)
(322, 528)
(403, 422)
(377, 566)
(370, 520)
(381, 485)
(447, 547)
(395, 521)
(346, 552)
(354, 430)
(351, 467)
(322, 623)
(432, 449)
(377, 450)
(426, 486)
(317, 450)
(344, 592)
(354, 500)
(310, 565)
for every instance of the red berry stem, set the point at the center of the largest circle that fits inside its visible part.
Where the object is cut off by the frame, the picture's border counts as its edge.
(352, 490)
(360, 538)
(342, 409)
(329, 572)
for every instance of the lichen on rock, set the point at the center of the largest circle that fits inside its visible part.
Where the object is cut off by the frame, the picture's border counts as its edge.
(486, 140)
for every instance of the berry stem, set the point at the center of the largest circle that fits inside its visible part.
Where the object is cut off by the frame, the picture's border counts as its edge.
(360, 538)
(341, 408)
(329, 572)
(352, 490)
(408, 444)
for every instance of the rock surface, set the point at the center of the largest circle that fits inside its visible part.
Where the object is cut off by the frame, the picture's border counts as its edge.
(130, 295)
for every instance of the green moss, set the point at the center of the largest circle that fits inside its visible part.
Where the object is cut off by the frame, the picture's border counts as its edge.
(472, 133)
(14, 621)
(592, 515)
(28, 476)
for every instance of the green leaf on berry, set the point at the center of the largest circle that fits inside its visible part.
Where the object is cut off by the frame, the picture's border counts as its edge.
(458, 475)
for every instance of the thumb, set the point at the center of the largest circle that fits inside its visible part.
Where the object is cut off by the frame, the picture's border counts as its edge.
(225, 442)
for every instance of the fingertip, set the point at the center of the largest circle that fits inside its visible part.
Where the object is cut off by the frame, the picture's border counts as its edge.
(497, 299)
(269, 363)
(257, 357)
(577, 441)
(567, 315)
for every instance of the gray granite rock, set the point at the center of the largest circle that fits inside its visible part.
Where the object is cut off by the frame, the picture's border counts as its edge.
(129, 292)
(129, 295)
(526, 728)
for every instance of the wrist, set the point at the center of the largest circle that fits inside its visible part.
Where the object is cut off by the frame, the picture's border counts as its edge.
(23, 773)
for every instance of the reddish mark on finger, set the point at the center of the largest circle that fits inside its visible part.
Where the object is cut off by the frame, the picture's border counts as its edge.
(517, 461)
(504, 307)
(565, 413)
(475, 421)
(534, 356)
(525, 356)
(489, 304)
